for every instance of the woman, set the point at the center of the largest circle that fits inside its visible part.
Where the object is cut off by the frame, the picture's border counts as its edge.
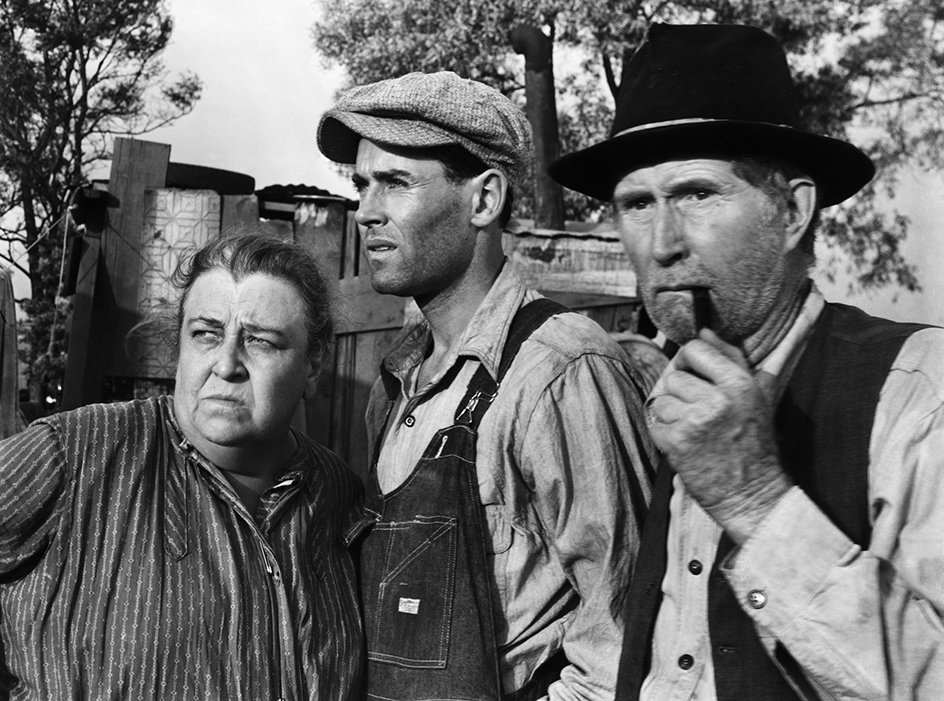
(190, 546)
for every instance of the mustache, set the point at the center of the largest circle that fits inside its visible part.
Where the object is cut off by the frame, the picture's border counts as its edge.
(680, 280)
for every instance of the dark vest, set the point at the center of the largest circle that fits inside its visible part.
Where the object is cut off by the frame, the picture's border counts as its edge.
(823, 423)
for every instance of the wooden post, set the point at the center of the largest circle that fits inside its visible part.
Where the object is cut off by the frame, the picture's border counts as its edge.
(136, 166)
(82, 383)
(106, 298)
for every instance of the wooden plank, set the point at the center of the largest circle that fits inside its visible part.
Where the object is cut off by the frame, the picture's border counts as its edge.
(354, 261)
(583, 300)
(238, 211)
(362, 309)
(358, 365)
(136, 167)
(564, 262)
(341, 417)
(370, 349)
(319, 408)
(320, 228)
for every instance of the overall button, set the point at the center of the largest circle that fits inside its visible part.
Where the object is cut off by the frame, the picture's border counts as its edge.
(409, 421)
(757, 599)
(686, 661)
(694, 567)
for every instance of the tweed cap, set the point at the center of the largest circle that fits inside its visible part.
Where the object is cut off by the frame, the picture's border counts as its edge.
(421, 110)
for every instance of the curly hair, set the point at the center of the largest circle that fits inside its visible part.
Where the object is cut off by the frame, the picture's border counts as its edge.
(242, 252)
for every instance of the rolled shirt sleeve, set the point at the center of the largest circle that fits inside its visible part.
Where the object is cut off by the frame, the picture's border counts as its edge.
(864, 624)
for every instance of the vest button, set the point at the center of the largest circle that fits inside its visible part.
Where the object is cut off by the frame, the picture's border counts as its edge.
(757, 599)
(694, 567)
(409, 421)
(686, 661)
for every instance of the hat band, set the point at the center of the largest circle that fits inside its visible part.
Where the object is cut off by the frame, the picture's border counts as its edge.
(689, 120)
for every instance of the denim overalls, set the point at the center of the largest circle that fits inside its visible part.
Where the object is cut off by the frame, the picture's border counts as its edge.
(424, 569)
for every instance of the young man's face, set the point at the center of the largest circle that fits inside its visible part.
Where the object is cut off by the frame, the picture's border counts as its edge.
(688, 223)
(414, 223)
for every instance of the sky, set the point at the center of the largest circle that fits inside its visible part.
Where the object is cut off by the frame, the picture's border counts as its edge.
(265, 87)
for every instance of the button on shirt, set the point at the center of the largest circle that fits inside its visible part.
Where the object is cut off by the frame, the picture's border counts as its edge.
(563, 473)
(130, 568)
(862, 624)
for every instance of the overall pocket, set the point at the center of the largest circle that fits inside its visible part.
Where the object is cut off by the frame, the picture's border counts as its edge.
(411, 566)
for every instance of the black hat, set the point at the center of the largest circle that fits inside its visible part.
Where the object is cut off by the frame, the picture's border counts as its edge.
(705, 89)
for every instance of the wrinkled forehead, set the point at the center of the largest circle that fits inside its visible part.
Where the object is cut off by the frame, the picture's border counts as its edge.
(373, 157)
(267, 291)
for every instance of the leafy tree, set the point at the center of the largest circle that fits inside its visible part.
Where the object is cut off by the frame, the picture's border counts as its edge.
(75, 74)
(870, 71)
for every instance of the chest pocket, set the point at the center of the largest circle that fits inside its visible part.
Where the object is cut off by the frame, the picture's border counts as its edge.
(417, 559)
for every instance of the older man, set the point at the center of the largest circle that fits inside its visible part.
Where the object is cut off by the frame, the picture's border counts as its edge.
(507, 484)
(794, 546)
(190, 547)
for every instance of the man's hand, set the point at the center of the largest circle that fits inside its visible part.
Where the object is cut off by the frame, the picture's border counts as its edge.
(714, 422)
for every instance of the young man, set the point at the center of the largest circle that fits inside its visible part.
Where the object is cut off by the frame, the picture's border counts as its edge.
(504, 520)
(793, 548)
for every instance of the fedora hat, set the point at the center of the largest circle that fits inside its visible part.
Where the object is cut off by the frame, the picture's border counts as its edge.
(710, 89)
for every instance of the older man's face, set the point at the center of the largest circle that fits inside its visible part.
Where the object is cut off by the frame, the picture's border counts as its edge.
(696, 223)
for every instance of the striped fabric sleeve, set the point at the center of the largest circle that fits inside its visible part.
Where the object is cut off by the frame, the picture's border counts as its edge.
(32, 478)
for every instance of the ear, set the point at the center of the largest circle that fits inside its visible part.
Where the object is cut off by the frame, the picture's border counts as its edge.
(311, 382)
(801, 208)
(488, 196)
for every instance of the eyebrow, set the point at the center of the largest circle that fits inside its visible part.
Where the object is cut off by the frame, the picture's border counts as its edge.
(630, 195)
(383, 176)
(250, 327)
(208, 320)
(259, 328)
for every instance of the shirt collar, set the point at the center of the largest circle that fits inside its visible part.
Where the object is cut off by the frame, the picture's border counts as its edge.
(781, 360)
(484, 337)
(296, 466)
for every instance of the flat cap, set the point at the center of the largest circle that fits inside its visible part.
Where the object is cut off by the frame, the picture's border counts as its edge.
(421, 110)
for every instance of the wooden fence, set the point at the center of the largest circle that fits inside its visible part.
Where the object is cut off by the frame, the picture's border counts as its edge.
(135, 227)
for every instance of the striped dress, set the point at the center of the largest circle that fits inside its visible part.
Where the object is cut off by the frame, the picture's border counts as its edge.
(129, 569)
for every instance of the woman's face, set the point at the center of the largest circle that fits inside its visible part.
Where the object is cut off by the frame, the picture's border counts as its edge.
(243, 362)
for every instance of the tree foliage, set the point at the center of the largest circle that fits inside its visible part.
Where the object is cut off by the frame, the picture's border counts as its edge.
(869, 71)
(75, 74)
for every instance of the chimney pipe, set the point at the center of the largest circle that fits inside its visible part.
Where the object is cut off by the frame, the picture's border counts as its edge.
(541, 109)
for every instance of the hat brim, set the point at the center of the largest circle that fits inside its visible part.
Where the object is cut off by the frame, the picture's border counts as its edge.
(339, 134)
(839, 168)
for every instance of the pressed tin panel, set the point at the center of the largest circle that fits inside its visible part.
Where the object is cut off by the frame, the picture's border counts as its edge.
(174, 221)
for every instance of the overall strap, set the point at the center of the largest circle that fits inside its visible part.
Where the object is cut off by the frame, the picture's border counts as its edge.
(483, 387)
